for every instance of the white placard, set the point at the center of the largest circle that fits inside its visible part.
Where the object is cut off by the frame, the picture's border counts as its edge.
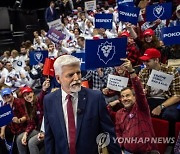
(117, 83)
(90, 5)
(160, 80)
(55, 24)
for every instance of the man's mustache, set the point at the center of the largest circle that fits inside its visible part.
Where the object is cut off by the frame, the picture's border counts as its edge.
(78, 82)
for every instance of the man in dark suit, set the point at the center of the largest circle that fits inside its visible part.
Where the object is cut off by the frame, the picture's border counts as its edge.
(50, 13)
(76, 134)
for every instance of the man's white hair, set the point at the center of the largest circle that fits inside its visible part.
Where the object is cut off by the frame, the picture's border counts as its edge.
(64, 61)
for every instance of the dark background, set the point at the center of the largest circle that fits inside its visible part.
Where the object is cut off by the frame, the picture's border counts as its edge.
(17, 22)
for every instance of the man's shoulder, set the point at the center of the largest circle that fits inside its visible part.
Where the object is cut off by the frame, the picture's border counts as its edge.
(53, 93)
(91, 91)
(168, 69)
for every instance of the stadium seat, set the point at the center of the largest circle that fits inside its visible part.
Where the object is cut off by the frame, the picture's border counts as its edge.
(161, 129)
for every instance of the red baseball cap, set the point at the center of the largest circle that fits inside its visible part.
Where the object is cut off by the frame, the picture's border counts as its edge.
(125, 33)
(25, 90)
(148, 32)
(150, 53)
(96, 37)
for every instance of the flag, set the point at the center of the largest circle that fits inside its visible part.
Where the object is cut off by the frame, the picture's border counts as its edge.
(38, 56)
(104, 52)
(159, 11)
(48, 68)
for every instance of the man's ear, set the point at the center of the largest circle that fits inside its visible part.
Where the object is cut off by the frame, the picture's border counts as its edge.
(58, 79)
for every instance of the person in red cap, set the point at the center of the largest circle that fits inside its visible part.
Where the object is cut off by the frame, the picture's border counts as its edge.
(149, 39)
(34, 108)
(162, 103)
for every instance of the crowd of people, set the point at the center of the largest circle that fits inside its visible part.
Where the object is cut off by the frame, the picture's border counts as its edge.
(96, 111)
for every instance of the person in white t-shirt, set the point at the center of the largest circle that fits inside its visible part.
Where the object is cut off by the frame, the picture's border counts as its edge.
(52, 52)
(3, 72)
(39, 45)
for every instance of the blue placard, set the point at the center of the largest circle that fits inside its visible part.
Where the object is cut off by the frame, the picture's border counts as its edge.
(81, 56)
(171, 35)
(128, 14)
(37, 57)
(6, 115)
(126, 2)
(159, 11)
(103, 21)
(55, 35)
(104, 52)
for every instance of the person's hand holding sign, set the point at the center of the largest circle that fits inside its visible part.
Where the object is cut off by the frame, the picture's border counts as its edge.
(15, 120)
(127, 65)
(2, 134)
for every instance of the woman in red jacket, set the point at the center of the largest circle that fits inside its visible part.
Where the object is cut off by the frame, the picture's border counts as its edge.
(34, 109)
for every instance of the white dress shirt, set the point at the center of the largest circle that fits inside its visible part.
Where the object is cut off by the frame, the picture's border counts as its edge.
(74, 99)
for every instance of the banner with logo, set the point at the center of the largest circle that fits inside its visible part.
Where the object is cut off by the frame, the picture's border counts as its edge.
(171, 35)
(117, 83)
(81, 57)
(159, 11)
(103, 21)
(6, 115)
(104, 52)
(55, 35)
(90, 5)
(160, 80)
(126, 2)
(55, 24)
(128, 14)
(38, 56)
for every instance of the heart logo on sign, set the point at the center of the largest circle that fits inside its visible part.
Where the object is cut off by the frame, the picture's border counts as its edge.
(38, 56)
(158, 11)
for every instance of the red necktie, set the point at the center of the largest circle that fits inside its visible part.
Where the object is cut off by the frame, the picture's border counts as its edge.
(71, 125)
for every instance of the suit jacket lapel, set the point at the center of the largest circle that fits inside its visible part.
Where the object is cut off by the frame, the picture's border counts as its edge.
(59, 112)
(80, 110)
